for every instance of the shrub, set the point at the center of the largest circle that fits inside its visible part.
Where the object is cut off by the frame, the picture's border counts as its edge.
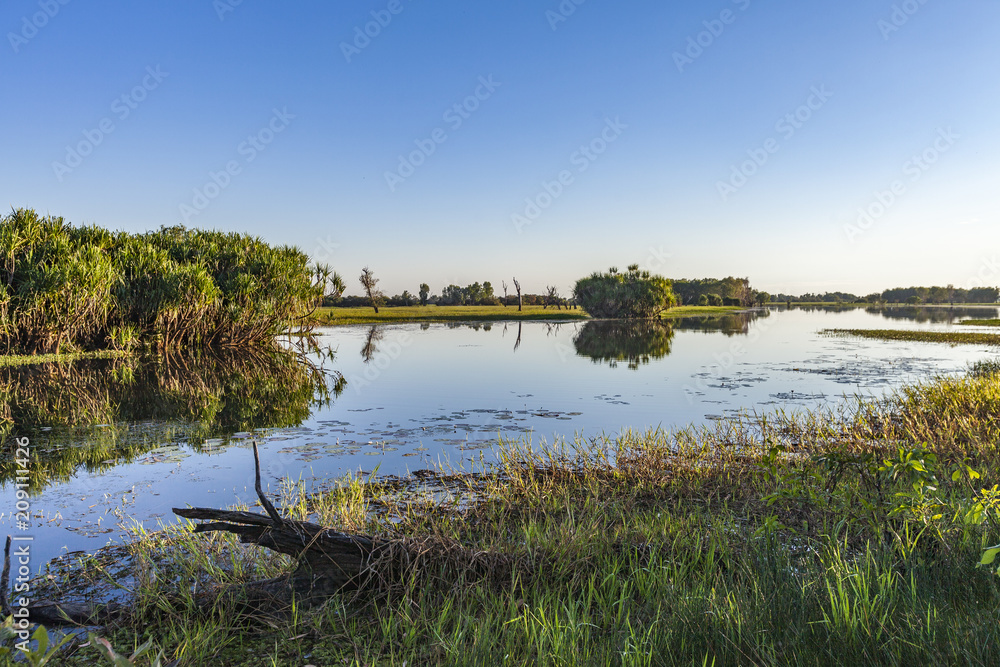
(634, 294)
(86, 287)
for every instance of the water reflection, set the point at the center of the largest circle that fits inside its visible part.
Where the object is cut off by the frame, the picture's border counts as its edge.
(635, 343)
(112, 411)
(939, 315)
(730, 324)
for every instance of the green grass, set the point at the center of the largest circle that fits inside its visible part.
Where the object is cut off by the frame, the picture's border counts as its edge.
(981, 323)
(952, 337)
(8, 360)
(391, 314)
(807, 539)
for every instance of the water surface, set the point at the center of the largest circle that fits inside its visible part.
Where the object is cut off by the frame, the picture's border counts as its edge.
(397, 398)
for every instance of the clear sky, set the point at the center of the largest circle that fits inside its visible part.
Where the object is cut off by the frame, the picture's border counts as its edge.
(697, 139)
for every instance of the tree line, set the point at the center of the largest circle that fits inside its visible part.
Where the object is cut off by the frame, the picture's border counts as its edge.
(476, 294)
(912, 295)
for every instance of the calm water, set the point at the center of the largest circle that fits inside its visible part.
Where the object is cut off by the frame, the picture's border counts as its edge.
(179, 433)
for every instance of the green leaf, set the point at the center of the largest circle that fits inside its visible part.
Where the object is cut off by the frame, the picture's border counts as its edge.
(990, 555)
(41, 635)
(957, 475)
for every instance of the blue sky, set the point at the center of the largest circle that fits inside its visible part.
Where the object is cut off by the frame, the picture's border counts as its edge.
(696, 139)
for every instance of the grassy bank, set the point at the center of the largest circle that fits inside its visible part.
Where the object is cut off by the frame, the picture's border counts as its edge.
(847, 538)
(395, 314)
(953, 337)
(981, 323)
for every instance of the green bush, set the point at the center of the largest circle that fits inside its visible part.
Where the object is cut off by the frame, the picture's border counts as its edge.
(84, 287)
(632, 295)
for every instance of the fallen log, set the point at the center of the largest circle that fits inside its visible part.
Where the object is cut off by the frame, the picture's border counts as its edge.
(327, 562)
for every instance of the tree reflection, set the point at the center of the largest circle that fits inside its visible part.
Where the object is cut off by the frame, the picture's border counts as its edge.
(112, 410)
(633, 342)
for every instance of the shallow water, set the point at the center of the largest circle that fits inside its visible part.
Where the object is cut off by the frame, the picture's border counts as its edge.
(417, 395)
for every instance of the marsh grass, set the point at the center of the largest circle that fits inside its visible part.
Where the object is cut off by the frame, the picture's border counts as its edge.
(847, 537)
(953, 337)
(982, 323)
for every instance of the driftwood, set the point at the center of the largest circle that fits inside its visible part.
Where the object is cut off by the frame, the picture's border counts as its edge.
(327, 562)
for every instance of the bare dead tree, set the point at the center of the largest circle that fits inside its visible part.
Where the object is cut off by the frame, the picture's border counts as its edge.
(551, 296)
(504, 282)
(517, 343)
(517, 286)
(369, 282)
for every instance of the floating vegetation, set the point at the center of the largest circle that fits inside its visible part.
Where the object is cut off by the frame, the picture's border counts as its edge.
(952, 337)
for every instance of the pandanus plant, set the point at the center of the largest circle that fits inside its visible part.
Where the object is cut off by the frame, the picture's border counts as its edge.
(87, 287)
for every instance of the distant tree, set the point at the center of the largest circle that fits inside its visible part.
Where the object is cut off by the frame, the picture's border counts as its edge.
(714, 300)
(375, 296)
(702, 299)
(632, 295)
(406, 298)
(551, 296)
(488, 297)
(425, 291)
(913, 299)
(762, 298)
(517, 286)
